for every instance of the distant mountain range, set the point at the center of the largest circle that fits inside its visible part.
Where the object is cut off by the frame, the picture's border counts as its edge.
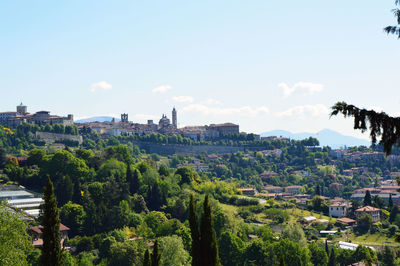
(98, 119)
(326, 137)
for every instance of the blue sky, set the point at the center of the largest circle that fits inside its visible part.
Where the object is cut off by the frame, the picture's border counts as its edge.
(262, 64)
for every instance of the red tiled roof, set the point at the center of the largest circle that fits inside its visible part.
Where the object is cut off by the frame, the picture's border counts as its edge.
(246, 189)
(38, 229)
(367, 209)
(345, 220)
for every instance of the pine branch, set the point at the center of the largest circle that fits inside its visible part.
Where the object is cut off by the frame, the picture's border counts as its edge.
(380, 124)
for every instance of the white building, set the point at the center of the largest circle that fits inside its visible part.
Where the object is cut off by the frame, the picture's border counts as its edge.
(338, 209)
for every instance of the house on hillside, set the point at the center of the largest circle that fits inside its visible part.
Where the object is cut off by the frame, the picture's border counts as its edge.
(272, 189)
(338, 209)
(374, 212)
(248, 191)
(293, 189)
(37, 235)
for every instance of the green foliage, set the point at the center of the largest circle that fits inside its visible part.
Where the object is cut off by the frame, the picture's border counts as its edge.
(146, 260)
(36, 157)
(380, 124)
(68, 259)
(195, 233)
(125, 253)
(231, 249)
(155, 255)
(15, 244)
(163, 171)
(85, 244)
(277, 215)
(364, 223)
(112, 169)
(295, 233)
(105, 246)
(73, 215)
(318, 255)
(365, 255)
(367, 199)
(332, 258)
(293, 253)
(187, 175)
(51, 251)
(173, 252)
(155, 219)
(387, 257)
(208, 242)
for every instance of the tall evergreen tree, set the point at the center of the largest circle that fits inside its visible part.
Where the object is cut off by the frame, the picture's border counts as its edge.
(390, 202)
(133, 179)
(194, 232)
(155, 256)
(156, 197)
(282, 261)
(318, 190)
(146, 260)
(332, 258)
(393, 213)
(367, 199)
(326, 248)
(208, 242)
(51, 251)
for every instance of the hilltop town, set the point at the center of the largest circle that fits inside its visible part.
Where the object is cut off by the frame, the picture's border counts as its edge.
(341, 198)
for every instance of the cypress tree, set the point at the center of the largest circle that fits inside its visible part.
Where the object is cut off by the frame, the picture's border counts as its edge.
(155, 256)
(282, 261)
(390, 202)
(326, 248)
(367, 199)
(156, 197)
(146, 260)
(132, 178)
(318, 191)
(332, 258)
(208, 242)
(393, 213)
(194, 232)
(51, 251)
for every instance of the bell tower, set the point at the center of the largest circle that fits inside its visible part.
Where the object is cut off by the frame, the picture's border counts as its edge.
(174, 118)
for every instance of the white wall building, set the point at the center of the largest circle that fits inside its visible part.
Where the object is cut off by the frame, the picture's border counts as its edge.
(338, 210)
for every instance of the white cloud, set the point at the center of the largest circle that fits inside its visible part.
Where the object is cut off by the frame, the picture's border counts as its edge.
(307, 88)
(213, 101)
(183, 99)
(100, 86)
(161, 89)
(305, 110)
(206, 110)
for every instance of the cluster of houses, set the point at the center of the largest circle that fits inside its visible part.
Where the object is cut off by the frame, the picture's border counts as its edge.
(338, 208)
(196, 165)
(358, 155)
(387, 189)
(21, 115)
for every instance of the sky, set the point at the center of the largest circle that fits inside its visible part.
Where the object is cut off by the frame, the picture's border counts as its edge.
(263, 64)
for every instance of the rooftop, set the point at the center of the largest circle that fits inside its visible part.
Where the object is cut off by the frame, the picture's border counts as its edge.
(367, 209)
(14, 193)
